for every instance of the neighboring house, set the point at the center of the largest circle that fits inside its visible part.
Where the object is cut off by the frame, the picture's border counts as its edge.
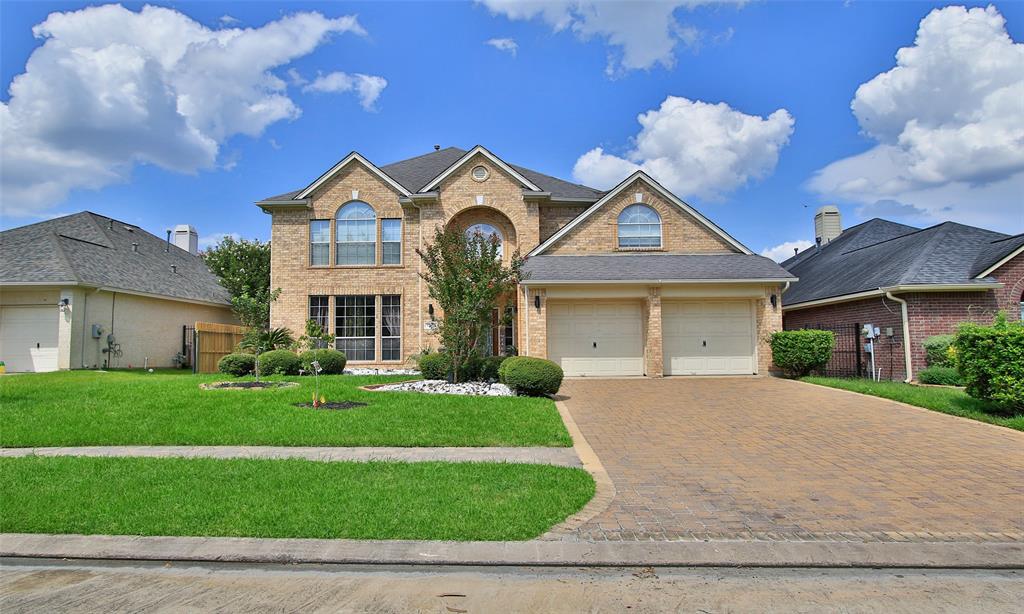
(87, 291)
(632, 281)
(910, 283)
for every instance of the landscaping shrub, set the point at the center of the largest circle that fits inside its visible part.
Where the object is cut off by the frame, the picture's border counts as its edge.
(530, 376)
(279, 362)
(237, 364)
(469, 370)
(991, 362)
(936, 350)
(332, 362)
(435, 366)
(490, 366)
(942, 376)
(798, 352)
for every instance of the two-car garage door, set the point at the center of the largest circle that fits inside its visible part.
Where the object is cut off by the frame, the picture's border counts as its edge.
(606, 338)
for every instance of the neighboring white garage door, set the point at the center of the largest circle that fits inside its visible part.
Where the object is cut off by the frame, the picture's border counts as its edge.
(708, 337)
(28, 338)
(596, 338)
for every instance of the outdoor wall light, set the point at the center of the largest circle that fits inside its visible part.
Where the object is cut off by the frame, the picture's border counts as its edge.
(775, 300)
(430, 310)
(63, 305)
(536, 301)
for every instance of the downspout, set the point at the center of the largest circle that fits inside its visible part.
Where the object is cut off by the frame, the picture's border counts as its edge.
(906, 336)
(419, 273)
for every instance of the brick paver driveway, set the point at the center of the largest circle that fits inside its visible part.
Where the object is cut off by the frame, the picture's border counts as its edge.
(764, 458)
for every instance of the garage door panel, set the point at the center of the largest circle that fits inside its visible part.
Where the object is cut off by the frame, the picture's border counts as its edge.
(28, 338)
(596, 338)
(708, 338)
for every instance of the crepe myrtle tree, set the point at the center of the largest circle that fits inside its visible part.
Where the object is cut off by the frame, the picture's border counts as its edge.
(466, 277)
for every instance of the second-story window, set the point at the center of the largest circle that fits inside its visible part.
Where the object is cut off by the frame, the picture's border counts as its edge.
(356, 234)
(391, 241)
(320, 242)
(639, 227)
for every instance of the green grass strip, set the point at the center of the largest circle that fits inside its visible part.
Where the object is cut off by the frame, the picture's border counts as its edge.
(287, 498)
(81, 408)
(951, 401)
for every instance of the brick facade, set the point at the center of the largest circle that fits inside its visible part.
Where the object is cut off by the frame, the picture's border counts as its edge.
(464, 201)
(929, 313)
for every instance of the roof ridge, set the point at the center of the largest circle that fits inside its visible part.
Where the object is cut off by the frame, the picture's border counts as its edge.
(429, 153)
(925, 253)
(59, 250)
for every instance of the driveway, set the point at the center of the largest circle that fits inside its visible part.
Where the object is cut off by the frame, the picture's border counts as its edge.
(765, 458)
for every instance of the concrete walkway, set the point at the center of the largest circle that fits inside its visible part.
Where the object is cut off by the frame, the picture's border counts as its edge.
(564, 457)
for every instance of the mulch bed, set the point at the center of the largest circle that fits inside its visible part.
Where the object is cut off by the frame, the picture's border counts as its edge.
(246, 385)
(332, 405)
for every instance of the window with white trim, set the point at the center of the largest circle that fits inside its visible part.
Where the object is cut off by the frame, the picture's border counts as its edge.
(355, 326)
(391, 327)
(391, 241)
(320, 312)
(356, 234)
(639, 227)
(319, 242)
(487, 231)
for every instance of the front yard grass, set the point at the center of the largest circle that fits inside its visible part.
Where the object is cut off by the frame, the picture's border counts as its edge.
(91, 408)
(287, 498)
(946, 400)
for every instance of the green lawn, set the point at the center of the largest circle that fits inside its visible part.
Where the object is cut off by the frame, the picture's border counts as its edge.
(946, 400)
(72, 408)
(287, 498)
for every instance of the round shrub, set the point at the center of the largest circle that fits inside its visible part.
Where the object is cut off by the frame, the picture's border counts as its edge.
(489, 367)
(279, 362)
(531, 376)
(991, 362)
(798, 352)
(942, 376)
(936, 350)
(434, 366)
(332, 362)
(237, 364)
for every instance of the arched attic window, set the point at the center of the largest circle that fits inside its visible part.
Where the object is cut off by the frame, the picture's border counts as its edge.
(356, 234)
(639, 227)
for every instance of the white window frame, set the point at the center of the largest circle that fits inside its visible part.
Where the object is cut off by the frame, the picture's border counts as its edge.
(494, 230)
(384, 222)
(620, 225)
(397, 303)
(340, 305)
(338, 243)
(312, 244)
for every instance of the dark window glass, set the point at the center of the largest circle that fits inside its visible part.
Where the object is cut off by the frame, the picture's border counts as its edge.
(355, 326)
(391, 327)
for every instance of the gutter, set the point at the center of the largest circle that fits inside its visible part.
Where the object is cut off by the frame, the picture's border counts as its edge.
(906, 336)
(856, 296)
(566, 282)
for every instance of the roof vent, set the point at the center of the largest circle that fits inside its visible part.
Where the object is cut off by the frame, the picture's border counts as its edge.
(480, 173)
(174, 268)
(135, 247)
(437, 148)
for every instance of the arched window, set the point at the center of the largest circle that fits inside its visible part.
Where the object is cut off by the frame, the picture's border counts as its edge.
(486, 230)
(639, 226)
(356, 234)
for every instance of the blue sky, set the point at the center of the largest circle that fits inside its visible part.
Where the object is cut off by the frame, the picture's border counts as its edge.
(916, 150)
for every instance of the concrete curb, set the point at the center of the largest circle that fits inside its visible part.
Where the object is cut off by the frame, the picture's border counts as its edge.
(564, 457)
(932, 555)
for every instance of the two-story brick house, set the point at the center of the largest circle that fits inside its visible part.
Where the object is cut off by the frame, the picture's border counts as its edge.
(632, 281)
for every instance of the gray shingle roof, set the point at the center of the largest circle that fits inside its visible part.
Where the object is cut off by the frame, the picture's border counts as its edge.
(996, 251)
(649, 267)
(414, 173)
(871, 258)
(85, 249)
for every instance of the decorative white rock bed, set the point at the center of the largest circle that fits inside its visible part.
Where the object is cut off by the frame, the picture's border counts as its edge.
(439, 386)
(361, 371)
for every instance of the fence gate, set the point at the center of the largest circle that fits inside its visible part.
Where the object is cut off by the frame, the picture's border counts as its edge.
(212, 342)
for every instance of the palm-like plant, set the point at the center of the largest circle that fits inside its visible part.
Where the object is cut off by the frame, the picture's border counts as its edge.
(259, 340)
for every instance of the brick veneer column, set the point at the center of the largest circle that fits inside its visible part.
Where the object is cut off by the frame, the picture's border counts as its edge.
(537, 341)
(654, 363)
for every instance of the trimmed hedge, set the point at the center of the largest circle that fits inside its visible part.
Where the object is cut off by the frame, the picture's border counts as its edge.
(942, 376)
(798, 352)
(936, 350)
(332, 362)
(279, 362)
(237, 364)
(991, 362)
(530, 376)
(434, 366)
(490, 366)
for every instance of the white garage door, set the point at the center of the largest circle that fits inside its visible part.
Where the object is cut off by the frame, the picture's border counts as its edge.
(28, 338)
(708, 337)
(596, 338)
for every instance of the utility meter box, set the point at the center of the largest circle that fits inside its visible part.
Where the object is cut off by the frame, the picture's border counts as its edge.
(97, 331)
(870, 332)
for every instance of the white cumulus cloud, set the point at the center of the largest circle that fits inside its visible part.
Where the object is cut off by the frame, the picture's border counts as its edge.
(784, 251)
(644, 32)
(948, 125)
(507, 45)
(367, 87)
(694, 148)
(110, 88)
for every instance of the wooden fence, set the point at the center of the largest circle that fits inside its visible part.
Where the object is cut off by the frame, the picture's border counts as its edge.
(213, 341)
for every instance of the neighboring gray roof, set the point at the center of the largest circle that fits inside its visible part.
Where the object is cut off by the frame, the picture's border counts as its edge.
(414, 173)
(870, 258)
(666, 267)
(996, 251)
(82, 248)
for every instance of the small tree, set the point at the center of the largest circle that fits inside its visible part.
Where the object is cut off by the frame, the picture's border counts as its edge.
(243, 267)
(315, 337)
(466, 277)
(260, 340)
